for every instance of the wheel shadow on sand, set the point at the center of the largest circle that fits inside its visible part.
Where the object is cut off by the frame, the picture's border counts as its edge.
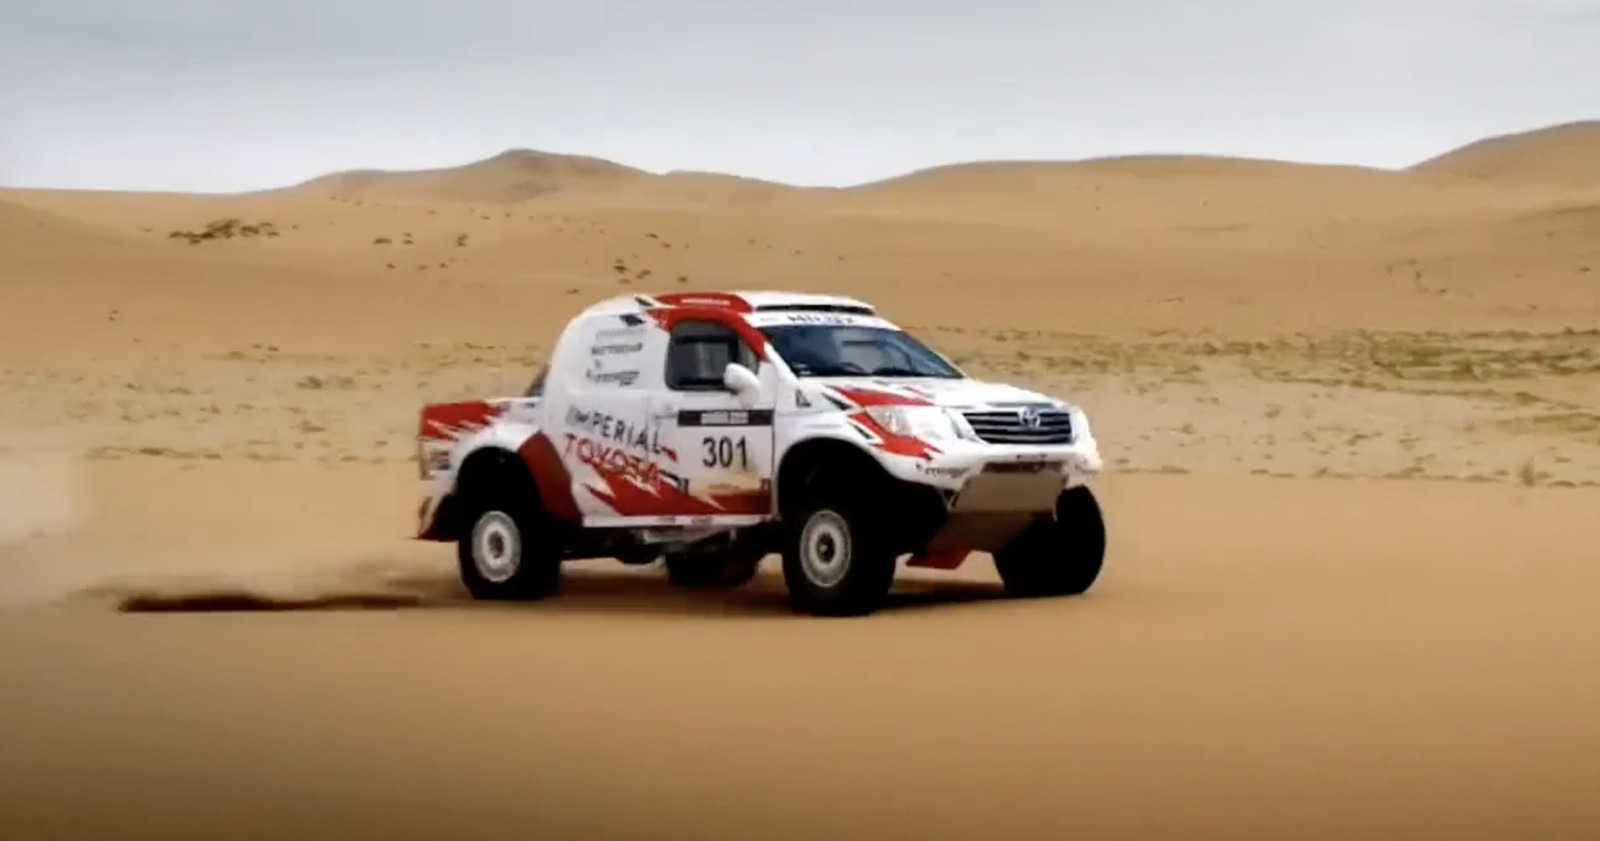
(643, 592)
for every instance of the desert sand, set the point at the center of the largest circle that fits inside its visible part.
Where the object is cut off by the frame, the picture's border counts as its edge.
(1352, 425)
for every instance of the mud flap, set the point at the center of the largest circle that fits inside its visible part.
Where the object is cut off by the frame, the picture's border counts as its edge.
(943, 558)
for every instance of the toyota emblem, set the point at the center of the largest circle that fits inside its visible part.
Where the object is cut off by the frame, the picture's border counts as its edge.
(1029, 417)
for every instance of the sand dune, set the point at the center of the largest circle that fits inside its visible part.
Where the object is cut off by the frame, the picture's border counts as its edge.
(1352, 418)
(513, 175)
(25, 230)
(17, 222)
(1561, 155)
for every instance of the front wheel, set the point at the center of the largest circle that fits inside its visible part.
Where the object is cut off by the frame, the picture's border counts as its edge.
(834, 561)
(1061, 556)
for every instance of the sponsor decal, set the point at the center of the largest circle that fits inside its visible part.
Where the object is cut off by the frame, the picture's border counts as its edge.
(944, 472)
(635, 329)
(618, 349)
(712, 300)
(815, 318)
(609, 458)
(1022, 465)
(616, 346)
(828, 318)
(618, 430)
(622, 378)
(634, 487)
(725, 417)
(617, 342)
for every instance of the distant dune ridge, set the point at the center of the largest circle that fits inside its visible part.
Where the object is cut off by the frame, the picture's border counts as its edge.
(1567, 154)
(513, 175)
(520, 175)
(26, 229)
(511, 243)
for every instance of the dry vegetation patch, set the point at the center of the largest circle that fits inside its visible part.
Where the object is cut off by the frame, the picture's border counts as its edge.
(223, 229)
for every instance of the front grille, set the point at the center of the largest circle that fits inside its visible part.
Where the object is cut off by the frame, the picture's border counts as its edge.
(1007, 426)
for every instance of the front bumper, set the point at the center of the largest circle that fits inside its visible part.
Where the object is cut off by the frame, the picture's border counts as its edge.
(1023, 474)
(992, 493)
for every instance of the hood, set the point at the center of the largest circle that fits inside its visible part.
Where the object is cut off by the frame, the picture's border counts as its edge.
(925, 391)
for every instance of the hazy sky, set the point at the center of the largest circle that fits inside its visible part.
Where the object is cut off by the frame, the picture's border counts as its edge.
(227, 95)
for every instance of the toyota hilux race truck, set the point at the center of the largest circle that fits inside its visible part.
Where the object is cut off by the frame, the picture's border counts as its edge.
(709, 430)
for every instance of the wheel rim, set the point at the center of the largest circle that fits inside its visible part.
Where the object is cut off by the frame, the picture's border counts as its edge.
(825, 548)
(496, 547)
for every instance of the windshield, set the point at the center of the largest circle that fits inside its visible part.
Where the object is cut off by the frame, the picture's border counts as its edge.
(820, 350)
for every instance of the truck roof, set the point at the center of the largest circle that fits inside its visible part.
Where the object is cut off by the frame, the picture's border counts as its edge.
(738, 301)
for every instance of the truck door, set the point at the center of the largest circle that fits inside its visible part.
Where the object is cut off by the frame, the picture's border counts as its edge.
(723, 447)
(599, 419)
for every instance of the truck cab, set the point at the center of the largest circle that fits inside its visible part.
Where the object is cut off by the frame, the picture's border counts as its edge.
(709, 430)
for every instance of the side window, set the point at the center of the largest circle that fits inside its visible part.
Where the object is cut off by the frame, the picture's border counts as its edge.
(699, 352)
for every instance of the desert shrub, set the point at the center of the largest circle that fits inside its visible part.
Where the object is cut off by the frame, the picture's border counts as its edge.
(225, 229)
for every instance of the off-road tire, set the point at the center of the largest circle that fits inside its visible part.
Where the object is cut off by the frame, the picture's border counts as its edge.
(835, 563)
(712, 570)
(1059, 556)
(509, 548)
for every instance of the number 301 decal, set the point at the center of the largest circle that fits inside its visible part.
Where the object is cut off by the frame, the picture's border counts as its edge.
(722, 451)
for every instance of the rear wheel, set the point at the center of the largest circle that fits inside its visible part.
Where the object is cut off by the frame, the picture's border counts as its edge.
(508, 550)
(1060, 556)
(835, 563)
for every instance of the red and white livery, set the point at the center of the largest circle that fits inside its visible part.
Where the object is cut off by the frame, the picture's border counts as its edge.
(709, 430)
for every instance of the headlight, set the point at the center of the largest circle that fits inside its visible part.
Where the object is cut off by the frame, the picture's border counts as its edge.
(926, 422)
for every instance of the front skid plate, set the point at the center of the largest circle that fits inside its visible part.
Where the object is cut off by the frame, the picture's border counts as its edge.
(993, 508)
(988, 492)
(985, 531)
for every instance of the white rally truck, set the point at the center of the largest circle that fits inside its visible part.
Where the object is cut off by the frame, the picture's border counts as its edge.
(709, 430)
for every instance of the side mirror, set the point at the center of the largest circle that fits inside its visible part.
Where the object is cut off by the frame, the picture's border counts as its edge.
(742, 381)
